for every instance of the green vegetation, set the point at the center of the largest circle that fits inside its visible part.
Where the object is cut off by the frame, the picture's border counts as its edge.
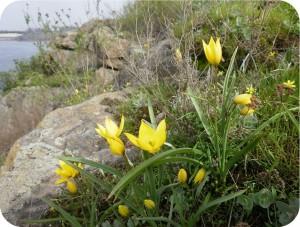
(251, 161)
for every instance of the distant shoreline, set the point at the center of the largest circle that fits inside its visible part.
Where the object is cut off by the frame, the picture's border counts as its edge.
(10, 36)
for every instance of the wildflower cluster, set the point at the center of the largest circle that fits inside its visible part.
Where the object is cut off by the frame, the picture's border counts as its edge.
(145, 191)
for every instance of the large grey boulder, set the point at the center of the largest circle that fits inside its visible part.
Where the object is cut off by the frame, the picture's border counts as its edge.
(21, 110)
(27, 174)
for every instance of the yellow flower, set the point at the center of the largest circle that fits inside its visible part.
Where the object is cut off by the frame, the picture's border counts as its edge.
(66, 171)
(123, 210)
(71, 186)
(182, 176)
(199, 176)
(149, 139)
(150, 204)
(246, 110)
(213, 51)
(111, 133)
(178, 55)
(116, 146)
(243, 99)
(67, 174)
(250, 90)
(289, 84)
(111, 129)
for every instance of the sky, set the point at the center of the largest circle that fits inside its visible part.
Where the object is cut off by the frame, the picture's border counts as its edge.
(79, 11)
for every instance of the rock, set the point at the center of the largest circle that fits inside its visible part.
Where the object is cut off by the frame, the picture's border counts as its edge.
(109, 47)
(78, 60)
(105, 77)
(161, 59)
(21, 110)
(27, 174)
(94, 39)
(67, 41)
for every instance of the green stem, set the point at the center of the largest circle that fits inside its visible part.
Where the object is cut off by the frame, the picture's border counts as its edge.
(151, 113)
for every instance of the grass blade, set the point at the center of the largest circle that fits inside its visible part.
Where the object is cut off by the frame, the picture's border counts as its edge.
(202, 117)
(68, 217)
(206, 205)
(138, 170)
(162, 219)
(96, 165)
(228, 74)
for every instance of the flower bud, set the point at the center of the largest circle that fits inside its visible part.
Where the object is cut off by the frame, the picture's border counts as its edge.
(123, 210)
(199, 176)
(243, 99)
(182, 176)
(150, 204)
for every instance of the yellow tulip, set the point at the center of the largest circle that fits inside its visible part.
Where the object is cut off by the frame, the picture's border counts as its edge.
(213, 51)
(111, 130)
(182, 176)
(149, 139)
(66, 171)
(123, 210)
(150, 204)
(199, 176)
(289, 84)
(71, 186)
(111, 133)
(246, 111)
(243, 99)
(116, 146)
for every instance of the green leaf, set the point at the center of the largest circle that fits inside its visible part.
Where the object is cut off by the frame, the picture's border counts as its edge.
(264, 198)
(207, 127)
(246, 202)
(228, 74)
(160, 219)
(266, 124)
(96, 165)
(293, 119)
(68, 217)
(240, 154)
(206, 205)
(138, 170)
(42, 221)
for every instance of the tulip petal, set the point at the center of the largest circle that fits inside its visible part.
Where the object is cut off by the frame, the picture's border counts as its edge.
(71, 186)
(145, 131)
(121, 126)
(101, 131)
(208, 53)
(60, 180)
(160, 134)
(133, 139)
(62, 163)
(116, 146)
(111, 127)
(218, 51)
